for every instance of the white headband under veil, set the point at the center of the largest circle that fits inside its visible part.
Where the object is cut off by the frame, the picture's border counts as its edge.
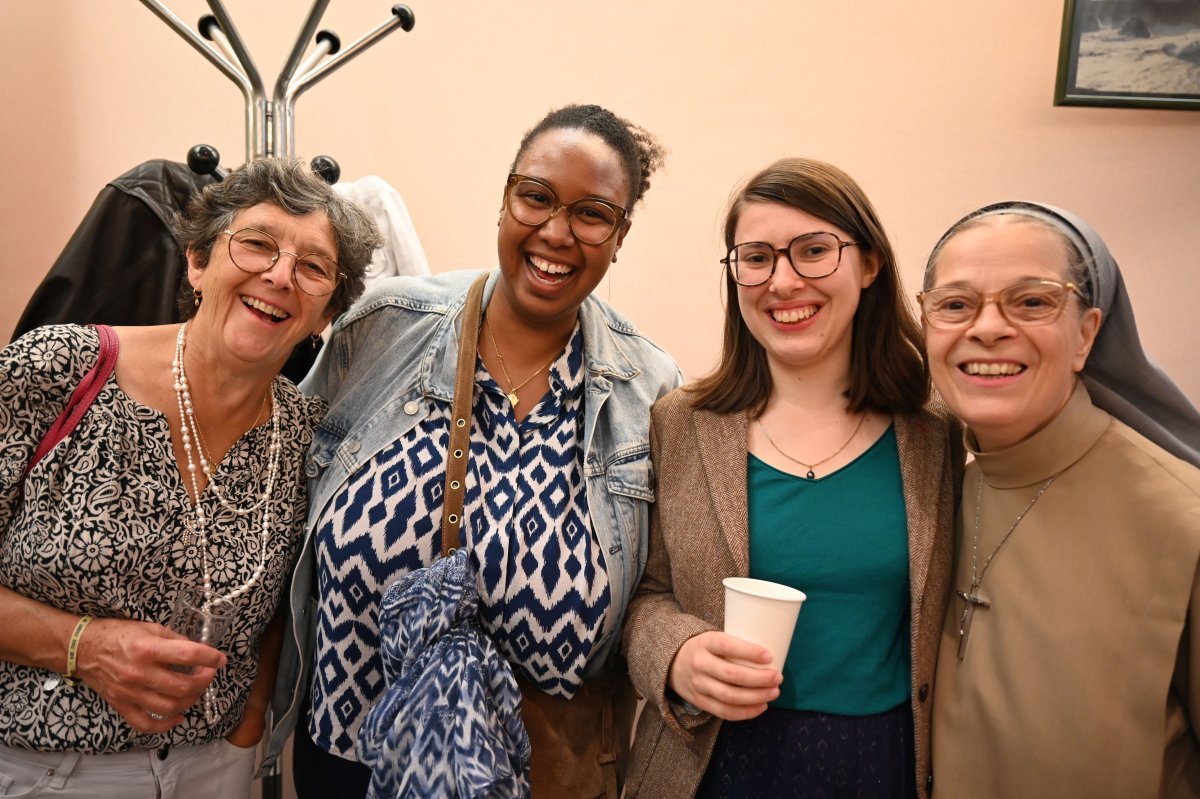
(1118, 375)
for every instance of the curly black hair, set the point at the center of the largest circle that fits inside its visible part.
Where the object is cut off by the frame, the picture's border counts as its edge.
(640, 152)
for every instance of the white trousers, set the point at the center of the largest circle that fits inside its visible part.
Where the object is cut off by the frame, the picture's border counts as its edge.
(217, 770)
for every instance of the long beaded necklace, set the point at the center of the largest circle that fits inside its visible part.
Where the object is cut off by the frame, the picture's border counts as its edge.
(190, 436)
(971, 598)
(810, 474)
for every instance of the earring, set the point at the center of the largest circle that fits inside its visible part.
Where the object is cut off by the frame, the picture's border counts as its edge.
(614, 258)
(197, 296)
(315, 340)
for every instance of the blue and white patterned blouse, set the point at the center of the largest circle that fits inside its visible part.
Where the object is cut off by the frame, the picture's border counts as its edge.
(541, 572)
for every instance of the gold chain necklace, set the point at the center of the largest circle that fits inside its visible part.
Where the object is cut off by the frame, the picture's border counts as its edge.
(513, 399)
(208, 473)
(971, 599)
(811, 475)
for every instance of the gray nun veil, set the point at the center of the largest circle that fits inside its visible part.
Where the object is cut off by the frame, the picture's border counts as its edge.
(1118, 375)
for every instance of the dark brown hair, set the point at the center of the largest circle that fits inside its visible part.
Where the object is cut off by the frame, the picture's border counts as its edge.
(889, 370)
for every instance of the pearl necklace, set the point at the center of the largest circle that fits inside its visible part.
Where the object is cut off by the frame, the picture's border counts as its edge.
(190, 436)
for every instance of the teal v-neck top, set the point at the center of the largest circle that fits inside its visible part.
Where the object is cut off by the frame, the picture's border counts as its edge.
(842, 539)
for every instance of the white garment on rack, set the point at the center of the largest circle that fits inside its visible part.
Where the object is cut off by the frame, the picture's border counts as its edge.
(401, 253)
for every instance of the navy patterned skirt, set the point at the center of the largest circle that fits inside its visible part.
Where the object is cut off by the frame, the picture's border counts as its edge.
(801, 754)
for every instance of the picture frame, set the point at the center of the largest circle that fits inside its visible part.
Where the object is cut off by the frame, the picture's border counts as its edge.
(1131, 53)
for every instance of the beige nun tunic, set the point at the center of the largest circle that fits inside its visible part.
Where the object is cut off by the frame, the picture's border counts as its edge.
(1078, 680)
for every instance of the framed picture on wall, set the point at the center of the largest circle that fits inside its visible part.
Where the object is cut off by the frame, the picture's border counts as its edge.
(1140, 53)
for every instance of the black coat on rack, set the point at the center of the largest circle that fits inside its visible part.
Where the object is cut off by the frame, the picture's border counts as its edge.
(122, 265)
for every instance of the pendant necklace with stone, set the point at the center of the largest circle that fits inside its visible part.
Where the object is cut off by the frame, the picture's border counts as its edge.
(513, 399)
(810, 474)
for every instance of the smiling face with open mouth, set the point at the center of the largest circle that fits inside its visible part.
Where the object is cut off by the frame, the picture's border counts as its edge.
(803, 324)
(1006, 381)
(546, 271)
(258, 319)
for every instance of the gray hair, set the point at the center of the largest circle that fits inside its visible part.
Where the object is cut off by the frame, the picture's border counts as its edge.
(1079, 270)
(294, 187)
(1119, 377)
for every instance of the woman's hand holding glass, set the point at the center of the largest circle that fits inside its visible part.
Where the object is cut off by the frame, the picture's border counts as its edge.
(131, 665)
(704, 673)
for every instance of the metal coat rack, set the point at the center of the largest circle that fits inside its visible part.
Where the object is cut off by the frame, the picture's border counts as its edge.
(270, 123)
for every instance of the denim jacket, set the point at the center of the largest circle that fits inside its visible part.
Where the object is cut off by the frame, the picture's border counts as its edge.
(399, 345)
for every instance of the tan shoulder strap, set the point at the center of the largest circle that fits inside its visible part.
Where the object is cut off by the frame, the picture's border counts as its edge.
(459, 449)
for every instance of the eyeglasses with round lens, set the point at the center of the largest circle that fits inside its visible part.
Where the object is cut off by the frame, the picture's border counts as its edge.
(255, 251)
(1026, 304)
(591, 220)
(811, 255)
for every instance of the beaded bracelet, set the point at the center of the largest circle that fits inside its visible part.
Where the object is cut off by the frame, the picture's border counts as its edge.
(73, 649)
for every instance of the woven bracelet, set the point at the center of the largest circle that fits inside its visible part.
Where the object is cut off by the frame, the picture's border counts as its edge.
(73, 649)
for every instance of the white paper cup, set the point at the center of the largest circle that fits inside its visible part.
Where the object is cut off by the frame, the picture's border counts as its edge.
(762, 613)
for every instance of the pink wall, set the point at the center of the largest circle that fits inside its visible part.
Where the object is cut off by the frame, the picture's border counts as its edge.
(935, 107)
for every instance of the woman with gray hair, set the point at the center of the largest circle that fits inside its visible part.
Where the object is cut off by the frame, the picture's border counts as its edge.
(1065, 665)
(181, 475)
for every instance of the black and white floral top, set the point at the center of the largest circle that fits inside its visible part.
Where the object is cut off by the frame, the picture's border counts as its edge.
(100, 529)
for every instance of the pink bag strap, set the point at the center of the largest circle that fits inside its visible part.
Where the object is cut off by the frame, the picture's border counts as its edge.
(82, 397)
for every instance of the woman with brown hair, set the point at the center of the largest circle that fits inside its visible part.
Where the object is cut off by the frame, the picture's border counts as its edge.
(811, 457)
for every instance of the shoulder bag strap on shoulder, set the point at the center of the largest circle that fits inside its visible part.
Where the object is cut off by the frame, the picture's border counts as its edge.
(82, 397)
(459, 449)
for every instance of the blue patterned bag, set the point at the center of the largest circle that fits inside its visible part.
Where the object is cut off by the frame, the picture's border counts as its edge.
(449, 723)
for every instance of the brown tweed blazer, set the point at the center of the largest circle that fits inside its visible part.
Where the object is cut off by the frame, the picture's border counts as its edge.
(698, 537)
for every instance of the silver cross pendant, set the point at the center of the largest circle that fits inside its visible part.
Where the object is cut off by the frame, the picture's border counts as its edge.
(971, 601)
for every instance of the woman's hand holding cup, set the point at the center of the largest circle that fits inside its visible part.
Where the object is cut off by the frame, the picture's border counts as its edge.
(709, 671)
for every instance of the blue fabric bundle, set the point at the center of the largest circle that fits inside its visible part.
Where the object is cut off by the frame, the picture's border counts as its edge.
(449, 723)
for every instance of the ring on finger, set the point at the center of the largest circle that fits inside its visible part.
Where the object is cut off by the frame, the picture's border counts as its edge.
(154, 715)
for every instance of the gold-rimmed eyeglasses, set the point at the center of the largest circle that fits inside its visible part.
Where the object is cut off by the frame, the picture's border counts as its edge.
(591, 219)
(1025, 304)
(811, 255)
(255, 251)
